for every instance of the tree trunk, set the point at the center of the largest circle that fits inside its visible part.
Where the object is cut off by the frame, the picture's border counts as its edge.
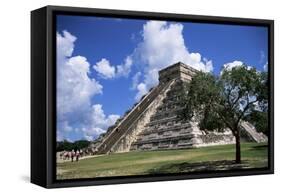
(238, 147)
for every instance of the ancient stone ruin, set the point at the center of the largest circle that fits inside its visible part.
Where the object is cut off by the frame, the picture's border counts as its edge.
(153, 123)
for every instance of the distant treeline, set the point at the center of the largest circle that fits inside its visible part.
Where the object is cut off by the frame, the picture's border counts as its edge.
(68, 146)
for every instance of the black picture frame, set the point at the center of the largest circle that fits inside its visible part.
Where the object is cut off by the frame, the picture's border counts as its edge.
(43, 94)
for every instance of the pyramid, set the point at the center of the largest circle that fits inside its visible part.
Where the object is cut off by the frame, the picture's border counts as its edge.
(154, 122)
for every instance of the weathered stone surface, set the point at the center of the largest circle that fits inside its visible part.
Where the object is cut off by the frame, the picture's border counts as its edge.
(153, 123)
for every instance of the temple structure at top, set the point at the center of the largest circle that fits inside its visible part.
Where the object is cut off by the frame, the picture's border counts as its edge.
(177, 71)
(154, 122)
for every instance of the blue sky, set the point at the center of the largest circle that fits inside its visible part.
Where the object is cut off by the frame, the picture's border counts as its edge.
(116, 61)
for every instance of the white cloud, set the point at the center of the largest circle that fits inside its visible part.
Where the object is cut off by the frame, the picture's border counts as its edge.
(99, 119)
(163, 45)
(142, 89)
(99, 122)
(265, 67)
(230, 65)
(60, 137)
(108, 71)
(65, 44)
(104, 69)
(64, 126)
(91, 134)
(135, 80)
(208, 65)
(262, 57)
(125, 68)
(75, 89)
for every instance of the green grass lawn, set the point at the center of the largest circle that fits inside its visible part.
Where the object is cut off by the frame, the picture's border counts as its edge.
(170, 161)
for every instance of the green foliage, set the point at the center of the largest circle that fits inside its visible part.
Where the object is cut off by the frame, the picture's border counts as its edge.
(223, 101)
(259, 120)
(202, 94)
(68, 146)
(243, 89)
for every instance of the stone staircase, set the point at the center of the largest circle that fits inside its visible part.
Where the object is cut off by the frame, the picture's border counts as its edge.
(139, 115)
(154, 122)
(252, 133)
(167, 130)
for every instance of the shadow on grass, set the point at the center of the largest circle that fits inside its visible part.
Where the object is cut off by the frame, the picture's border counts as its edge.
(186, 167)
(260, 147)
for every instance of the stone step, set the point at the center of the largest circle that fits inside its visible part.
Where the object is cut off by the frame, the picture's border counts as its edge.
(163, 120)
(181, 128)
(252, 132)
(163, 139)
(147, 147)
(166, 113)
(131, 117)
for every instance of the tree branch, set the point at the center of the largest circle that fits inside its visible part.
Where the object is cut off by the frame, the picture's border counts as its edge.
(245, 109)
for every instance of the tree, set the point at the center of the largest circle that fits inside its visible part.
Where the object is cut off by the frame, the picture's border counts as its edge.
(80, 144)
(219, 102)
(68, 146)
(260, 120)
(64, 145)
(259, 117)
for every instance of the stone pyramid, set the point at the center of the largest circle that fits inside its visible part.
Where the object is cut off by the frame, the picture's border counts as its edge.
(153, 123)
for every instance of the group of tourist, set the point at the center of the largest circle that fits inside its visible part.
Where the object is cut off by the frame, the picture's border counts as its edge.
(73, 155)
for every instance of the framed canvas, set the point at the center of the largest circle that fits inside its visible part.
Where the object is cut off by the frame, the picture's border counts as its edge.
(126, 96)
